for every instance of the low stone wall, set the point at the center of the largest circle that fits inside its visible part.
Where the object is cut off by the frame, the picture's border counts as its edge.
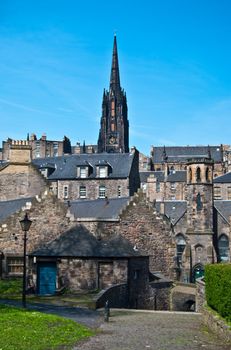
(117, 297)
(160, 295)
(217, 325)
(200, 294)
(211, 320)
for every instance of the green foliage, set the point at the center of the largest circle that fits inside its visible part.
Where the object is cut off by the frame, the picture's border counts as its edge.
(218, 288)
(23, 329)
(10, 287)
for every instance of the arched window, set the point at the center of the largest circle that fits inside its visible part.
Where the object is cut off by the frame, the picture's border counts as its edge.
(198, 175)
(180, 246)
(199, 202)
(190, 175)
(207, 175)
(223, 248)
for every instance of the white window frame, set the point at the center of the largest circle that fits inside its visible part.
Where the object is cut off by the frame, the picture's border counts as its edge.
(82, 191)
(102, 191)
(103, 171)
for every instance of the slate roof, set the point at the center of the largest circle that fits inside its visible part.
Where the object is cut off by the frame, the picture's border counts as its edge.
(79, 242)
(65, 166)
(223, 178)
(100, 209)
(145, 174)
(177, 176)
(181, 154)
(224, 208)
(174, 210)
(8, 208)
(174, 176)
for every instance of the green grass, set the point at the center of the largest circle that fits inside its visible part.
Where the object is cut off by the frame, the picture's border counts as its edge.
(23, 330)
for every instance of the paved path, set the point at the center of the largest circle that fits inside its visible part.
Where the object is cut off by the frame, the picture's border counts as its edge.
(153, 331)
(133, 330)
(87, 317)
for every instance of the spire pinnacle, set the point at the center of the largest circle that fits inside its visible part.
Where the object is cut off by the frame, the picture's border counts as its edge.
(115, 75)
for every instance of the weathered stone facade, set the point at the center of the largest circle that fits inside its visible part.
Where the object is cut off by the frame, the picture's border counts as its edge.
(113, 188)
(147, 230)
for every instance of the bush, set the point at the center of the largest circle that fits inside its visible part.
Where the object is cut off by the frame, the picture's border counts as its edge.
(10, 287)
(218, 288)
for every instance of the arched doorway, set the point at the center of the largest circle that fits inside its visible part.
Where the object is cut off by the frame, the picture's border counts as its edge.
(198, 272)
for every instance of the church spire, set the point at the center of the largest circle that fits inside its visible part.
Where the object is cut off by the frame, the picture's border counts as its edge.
(115, 75)
(114, 125)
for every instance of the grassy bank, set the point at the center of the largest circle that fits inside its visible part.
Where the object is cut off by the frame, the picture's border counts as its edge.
(23, 330)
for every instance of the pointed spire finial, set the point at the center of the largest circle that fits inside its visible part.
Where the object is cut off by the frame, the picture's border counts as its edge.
(115, 76)
(209, 152)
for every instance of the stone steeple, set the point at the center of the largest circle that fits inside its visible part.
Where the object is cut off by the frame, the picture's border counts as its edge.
(113, 134)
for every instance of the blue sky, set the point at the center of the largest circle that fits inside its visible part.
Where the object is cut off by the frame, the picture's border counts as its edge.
(175, 65)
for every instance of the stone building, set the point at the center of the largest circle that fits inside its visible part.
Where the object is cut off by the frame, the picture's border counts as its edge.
(40, 148)
(176, 157)
(92, 176)
(114, 133)
(201, 225)
(18, 176)
(84, 250)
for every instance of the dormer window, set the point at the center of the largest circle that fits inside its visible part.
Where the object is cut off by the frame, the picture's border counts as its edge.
(83, 171)
(103, 171)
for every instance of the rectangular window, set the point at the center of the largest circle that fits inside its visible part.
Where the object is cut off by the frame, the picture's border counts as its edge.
(102, 191)
(15, 265)
(83, 172)
(157, 186)
(173, 186)
(229, 193)
(217, 192)
(37, 149)
(65, 192)
(82, 192)
(102, 171)
(55, 149)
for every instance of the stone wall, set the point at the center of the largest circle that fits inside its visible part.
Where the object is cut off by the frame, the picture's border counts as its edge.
(49, 220)
(88, 274)
(148, 231)
(211, 319)
(200, 295)
(117, 296)
(20, 180)
(92, 188)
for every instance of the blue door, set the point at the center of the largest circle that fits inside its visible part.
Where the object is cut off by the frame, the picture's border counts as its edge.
(46, 278)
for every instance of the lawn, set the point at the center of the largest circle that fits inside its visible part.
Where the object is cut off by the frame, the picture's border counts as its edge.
(24, 329)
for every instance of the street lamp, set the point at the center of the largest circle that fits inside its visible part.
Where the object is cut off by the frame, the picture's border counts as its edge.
(25, 225)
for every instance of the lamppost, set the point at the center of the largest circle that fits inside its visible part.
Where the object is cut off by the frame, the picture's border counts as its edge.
(25, 225)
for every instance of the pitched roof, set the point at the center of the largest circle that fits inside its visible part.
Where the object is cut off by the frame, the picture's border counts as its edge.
(173, 176)
(79, 242)
(8, 208)
(177, 176)
(99, 209)
(65, 166)
(226, 178)
(181, 154)
(224, 208)
(174, 210)
(145, 174)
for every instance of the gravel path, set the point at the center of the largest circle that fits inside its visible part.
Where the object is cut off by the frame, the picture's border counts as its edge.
(153, 331)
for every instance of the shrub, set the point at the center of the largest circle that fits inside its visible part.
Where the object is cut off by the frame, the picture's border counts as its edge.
(218, 288)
